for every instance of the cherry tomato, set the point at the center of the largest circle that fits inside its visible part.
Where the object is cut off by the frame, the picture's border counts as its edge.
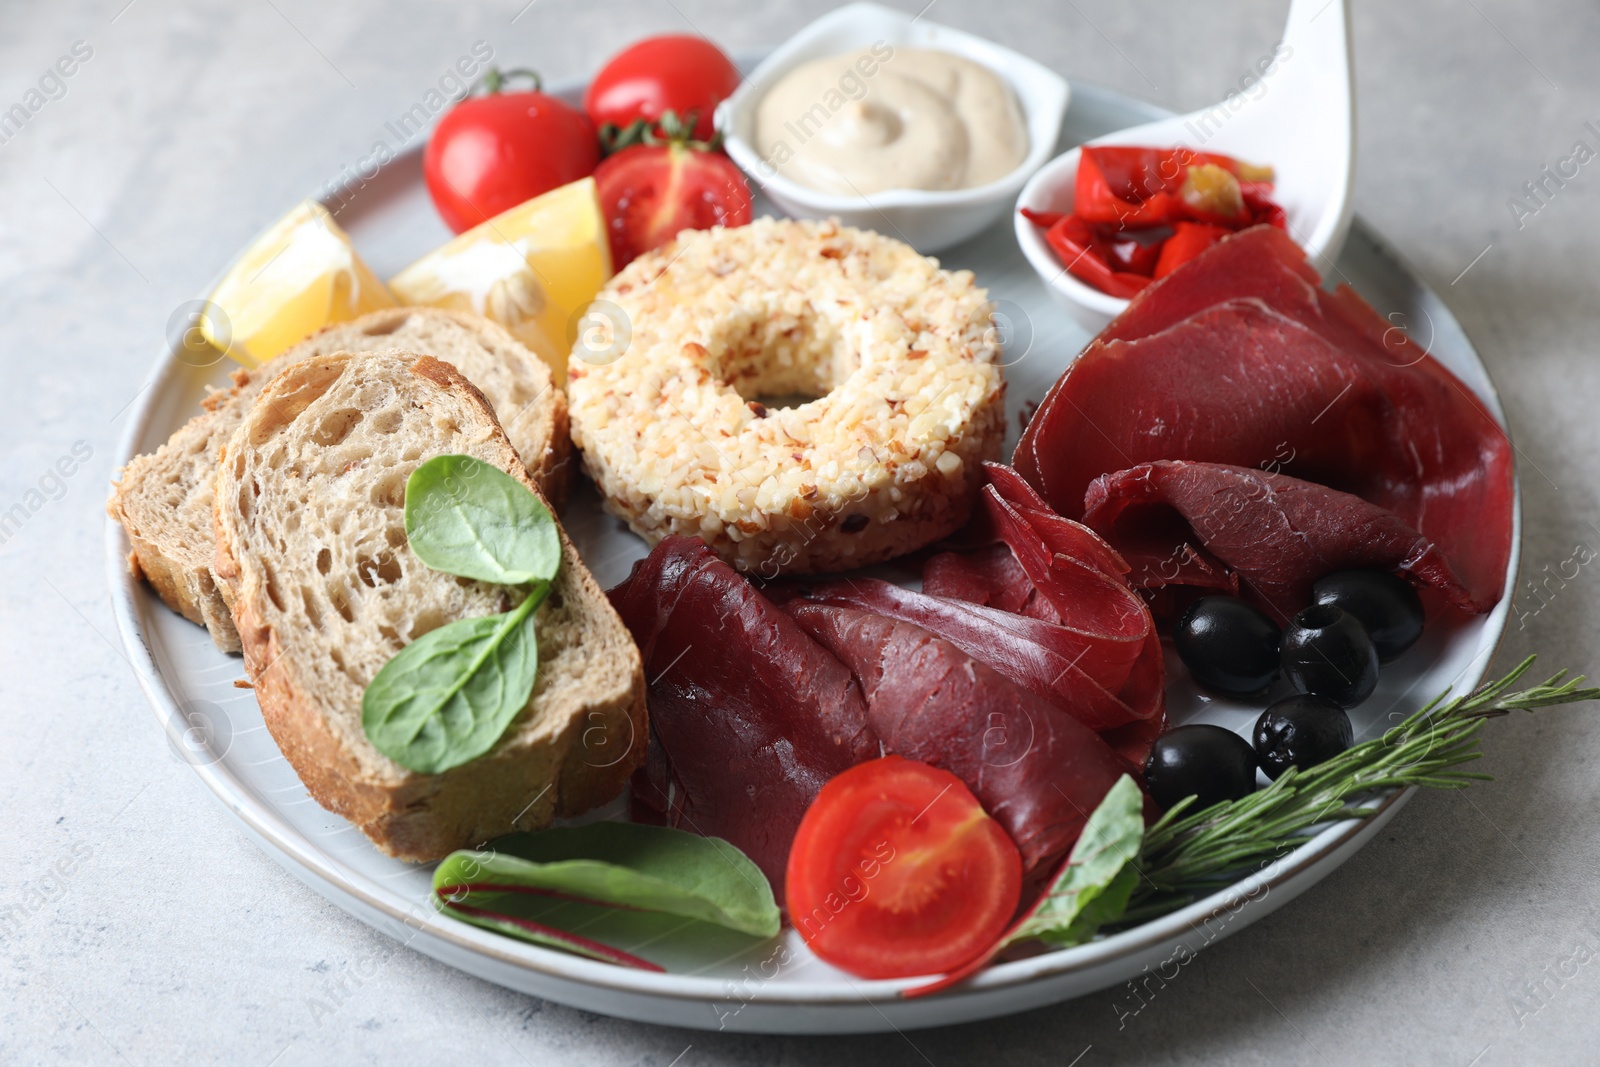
(673, 72)
(650, 192)
(897, 871)
(493, 152)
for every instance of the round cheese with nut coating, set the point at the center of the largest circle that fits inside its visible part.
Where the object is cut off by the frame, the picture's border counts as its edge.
(679, 370)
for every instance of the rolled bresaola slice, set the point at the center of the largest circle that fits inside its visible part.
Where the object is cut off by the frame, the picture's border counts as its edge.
(1033, 767)
(1278, 534)
(1060, 571)
(749, 716)
(1239, 357)
(990, 576)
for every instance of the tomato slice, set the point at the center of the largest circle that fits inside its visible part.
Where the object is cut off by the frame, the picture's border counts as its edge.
(898, 871)
(650, 192)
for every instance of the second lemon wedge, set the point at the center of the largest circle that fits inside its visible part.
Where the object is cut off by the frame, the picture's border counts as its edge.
(532, 269)
(299, 276)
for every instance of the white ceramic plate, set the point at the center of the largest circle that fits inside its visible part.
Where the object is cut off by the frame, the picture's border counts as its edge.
(714, 984)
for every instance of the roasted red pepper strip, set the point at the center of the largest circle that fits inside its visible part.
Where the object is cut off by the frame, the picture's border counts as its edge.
(1095, 201)
(1129, 254)
(1188, 240)
(1042, 219)
(1138, 173)
(1258, 198)
(1075, 241)
(1140, 213)
(1140, 186)
(1120, 251)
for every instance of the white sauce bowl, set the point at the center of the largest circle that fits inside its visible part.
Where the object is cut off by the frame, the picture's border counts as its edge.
(928, 220)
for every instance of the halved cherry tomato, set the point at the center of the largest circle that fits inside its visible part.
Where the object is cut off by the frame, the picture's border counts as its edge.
(673, 72)
(650, 192)
(897, 871)
(493, 152)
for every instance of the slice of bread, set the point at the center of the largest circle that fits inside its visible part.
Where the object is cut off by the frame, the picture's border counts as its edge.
(163, 499)
(310, 529)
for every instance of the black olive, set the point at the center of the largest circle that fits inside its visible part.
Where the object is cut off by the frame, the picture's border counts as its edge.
(1228, 645)
(1387, 606)
(1202, 761)
(1301, 731)
(1326, 651)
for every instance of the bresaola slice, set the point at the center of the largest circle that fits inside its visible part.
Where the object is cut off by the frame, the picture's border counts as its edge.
(751, 713)
(1278, 534)
(749, 716)
(1009, 498)
(1076, 671)
(1257, 263)
(1235, 383)
(1240, 358)
(1037, 770)
(990, 576)
(1051, 568)
(1084, 579)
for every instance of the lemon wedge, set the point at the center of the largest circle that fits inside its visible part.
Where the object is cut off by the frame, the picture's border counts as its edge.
(532, 269)
(299, 276)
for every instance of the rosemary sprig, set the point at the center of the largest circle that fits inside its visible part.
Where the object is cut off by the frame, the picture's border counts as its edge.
(1184, 856)
(1187, 855)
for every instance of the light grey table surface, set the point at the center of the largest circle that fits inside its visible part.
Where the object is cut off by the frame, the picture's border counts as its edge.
(139, 925)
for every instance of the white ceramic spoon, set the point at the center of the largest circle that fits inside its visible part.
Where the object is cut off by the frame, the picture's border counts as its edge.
(1295, 111)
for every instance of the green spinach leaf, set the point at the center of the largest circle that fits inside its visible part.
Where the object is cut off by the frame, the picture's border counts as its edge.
(620, 865)
(1094, 887)
(447, 697)
(469, 518)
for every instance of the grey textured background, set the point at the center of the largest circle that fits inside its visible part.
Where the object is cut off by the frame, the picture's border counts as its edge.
(171, 938)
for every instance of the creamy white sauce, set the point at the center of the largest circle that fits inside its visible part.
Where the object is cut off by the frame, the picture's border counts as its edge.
(891, 118)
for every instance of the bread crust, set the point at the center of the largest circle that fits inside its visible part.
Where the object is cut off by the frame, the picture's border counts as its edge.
(516, 786)
(182, 579)
(551, 472)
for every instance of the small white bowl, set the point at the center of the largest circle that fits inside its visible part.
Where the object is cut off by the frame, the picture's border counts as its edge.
(1298, 117)
(1051, 189)
(927, 220)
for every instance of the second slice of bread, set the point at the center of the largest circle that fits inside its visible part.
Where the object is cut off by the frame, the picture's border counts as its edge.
(310, 532)
(163, 499)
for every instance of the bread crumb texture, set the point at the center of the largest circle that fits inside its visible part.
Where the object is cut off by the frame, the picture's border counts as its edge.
(311, 531)
(164, 498)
